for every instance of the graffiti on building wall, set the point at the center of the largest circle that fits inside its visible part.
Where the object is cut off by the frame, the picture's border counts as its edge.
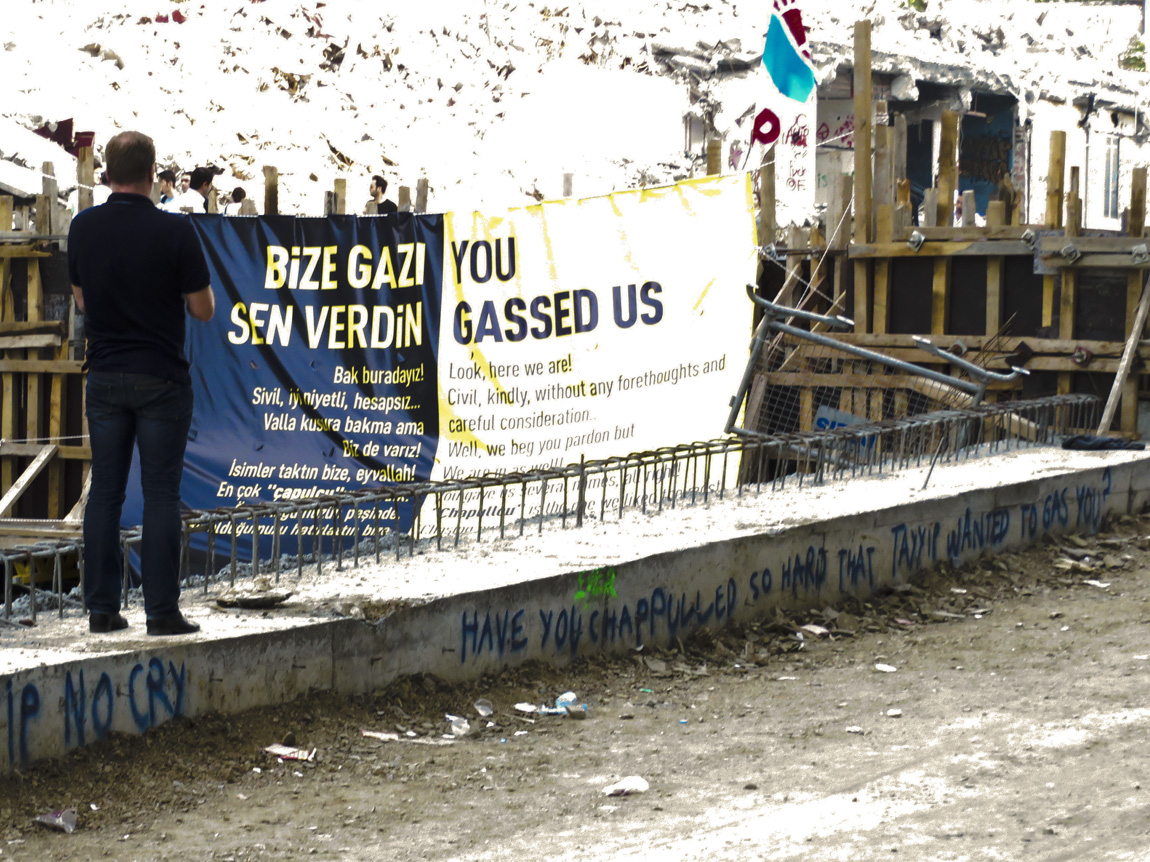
(90, 701)
(598, 619)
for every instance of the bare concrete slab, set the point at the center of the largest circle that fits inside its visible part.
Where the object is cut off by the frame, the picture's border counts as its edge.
(555, 596)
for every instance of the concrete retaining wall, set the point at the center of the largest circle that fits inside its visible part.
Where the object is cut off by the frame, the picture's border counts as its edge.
(649, 600)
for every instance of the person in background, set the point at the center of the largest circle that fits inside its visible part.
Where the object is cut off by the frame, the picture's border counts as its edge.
(185, 181)
(167, 185)
(196, 197)
(136, 273)
(377, 205)
(237, 202)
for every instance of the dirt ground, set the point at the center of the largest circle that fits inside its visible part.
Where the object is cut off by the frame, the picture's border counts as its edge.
(994, 712)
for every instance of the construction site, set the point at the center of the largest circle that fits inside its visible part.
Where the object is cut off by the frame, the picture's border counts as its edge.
(824, 543)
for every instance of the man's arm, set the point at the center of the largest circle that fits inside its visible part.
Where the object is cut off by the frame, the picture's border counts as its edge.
(79, 297)
(201, 304)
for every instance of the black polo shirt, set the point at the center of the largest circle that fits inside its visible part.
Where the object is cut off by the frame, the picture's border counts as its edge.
(134, 263)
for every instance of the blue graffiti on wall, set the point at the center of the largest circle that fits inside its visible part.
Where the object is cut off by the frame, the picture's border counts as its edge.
(154, 695)
(596, 618)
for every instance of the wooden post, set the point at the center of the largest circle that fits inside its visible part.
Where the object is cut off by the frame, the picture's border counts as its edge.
(568, 185)
(968, 209)
(329, 203)
(947, 162)
(714, 156)
(883, 172)
(864, 113)
(995, 217)
(940, 297)
(1068, 301)
(838, 233)
(421, 189)
(898, 149)
(1055, 177)
(271, 190)
(767, 224)
(1137, 227)
(340, 190)
(51, 191)
(5, 213)
(7, 379)
(864, 178)
(930, 208)
(213, 200)
(403, 199)
(884, 233)
(85, 177)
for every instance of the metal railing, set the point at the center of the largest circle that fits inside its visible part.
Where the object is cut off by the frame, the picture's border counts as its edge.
(361, 526)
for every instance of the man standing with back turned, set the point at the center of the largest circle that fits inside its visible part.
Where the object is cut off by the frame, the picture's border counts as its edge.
(134, 270)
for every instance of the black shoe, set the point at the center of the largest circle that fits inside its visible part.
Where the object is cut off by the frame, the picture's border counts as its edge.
(100, 624)
(172, 624)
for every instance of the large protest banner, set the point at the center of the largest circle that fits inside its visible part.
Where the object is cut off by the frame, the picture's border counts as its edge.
(353, 352)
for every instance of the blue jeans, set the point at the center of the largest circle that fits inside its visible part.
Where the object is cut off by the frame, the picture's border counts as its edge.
(126, 410)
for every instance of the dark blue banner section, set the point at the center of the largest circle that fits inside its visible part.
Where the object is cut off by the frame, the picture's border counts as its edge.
(318, 372)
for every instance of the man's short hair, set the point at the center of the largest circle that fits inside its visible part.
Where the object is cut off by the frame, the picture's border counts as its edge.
(380, 181)
(168, 176)
(238, 194)
(199, 178)
(131, 156)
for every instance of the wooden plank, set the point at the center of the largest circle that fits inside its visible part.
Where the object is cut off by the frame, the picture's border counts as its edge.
(340, 189)
(5, 214)
(22, 250)
(1093, 261)
(1004, 231)
(403, 199)
(864, 120)
(41, 366)
(940, 297)
(947, 168)
(1113, 245)
(1137, 224)
(969, 248)
(38, 528)
(31, 450)
(31, 327)
(29, 342)
(77, 512)
(18, 487)
(421, 191)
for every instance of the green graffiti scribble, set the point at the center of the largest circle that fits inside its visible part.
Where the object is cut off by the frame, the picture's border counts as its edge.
(596, 584)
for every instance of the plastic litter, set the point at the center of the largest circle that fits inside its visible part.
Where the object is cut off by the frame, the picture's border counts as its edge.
(483, 707)
(459, 726)
(627, 786)
(287, 752)
(885, 668)
(64, 820)
(526, 707)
